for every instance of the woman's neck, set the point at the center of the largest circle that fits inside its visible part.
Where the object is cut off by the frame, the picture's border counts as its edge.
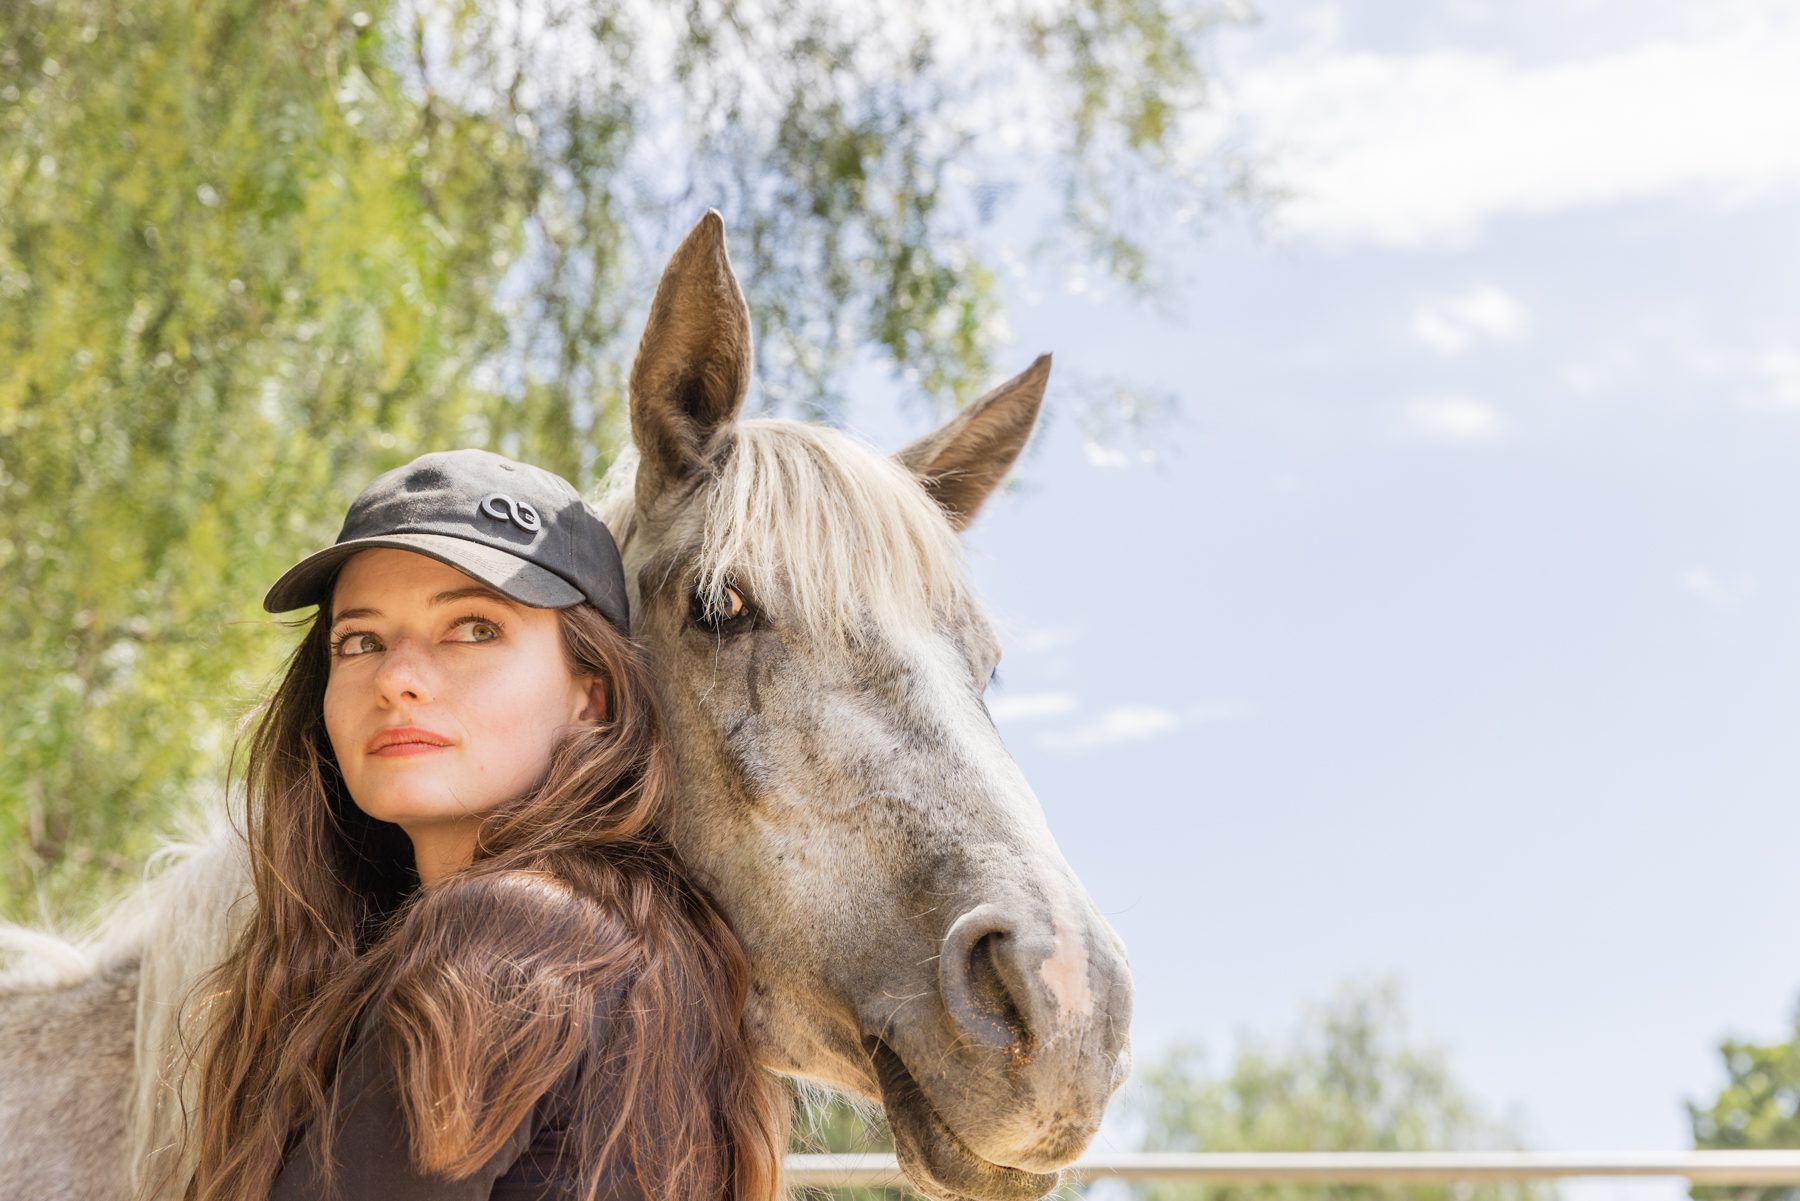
(442, 848)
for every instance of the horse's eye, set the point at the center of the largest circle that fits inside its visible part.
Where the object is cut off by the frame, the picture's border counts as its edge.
(726, 614)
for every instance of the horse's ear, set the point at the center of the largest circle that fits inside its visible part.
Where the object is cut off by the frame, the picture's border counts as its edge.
(693, 364)
(963, 462)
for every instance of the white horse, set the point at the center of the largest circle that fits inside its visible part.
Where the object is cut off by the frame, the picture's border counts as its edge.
(914, 934)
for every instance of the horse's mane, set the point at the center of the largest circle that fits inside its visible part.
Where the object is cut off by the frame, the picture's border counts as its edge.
(847, 534)
(192, 911)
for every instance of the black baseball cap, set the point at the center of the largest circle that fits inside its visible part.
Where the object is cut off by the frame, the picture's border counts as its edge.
(518, 529)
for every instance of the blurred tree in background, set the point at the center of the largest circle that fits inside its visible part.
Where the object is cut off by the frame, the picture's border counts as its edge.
(1759, 1107)
(1352, 1077)
(831, 1123)
(252, 253)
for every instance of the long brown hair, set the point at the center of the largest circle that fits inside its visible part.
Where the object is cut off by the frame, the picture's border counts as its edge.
(574, 896)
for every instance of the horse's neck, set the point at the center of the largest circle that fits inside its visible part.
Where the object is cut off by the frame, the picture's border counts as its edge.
(188, 917)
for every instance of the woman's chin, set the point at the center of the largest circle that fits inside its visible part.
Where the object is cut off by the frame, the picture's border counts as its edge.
(419, 805)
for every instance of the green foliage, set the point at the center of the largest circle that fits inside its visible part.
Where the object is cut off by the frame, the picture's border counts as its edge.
(1759, 1107)
(1352, 1078)
(252, 253)
(214, 313)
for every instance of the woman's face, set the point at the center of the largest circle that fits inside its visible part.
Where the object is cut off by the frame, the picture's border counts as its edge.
(445, 698)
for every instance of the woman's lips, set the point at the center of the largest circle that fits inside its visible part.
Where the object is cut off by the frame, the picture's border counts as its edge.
(400, 741)
(396, 750)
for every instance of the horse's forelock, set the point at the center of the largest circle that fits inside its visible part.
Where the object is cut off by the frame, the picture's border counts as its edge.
(843, 532)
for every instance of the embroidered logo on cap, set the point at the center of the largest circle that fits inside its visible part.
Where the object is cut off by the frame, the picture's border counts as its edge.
(519, 512)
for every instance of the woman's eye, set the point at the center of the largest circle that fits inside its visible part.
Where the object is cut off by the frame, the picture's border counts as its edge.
(476, 629)
(725, 614)
(353, 644)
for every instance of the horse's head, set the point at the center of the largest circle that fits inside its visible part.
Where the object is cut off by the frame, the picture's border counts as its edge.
(914, 933)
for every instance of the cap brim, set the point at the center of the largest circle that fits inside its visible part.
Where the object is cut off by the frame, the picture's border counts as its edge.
(308, 582)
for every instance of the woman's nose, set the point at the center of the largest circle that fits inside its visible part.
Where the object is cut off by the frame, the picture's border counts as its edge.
(404, 675)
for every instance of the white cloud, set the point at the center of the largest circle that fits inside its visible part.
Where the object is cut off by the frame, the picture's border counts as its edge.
(1426, 147)
(1129, 723)
(1779, 371)
(1452, 324)
(1767, 379)
(1721, 594)
(1030, 706)
(1454, 419)
(1102, 455)
(1137, 723)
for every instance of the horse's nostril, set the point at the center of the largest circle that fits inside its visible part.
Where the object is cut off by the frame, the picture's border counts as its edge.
(987, 987)
(989, 1008)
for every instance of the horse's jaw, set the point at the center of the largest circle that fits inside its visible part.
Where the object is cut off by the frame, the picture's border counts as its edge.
(934, 1158)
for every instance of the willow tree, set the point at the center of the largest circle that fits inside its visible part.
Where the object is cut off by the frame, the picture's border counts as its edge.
(252, 253)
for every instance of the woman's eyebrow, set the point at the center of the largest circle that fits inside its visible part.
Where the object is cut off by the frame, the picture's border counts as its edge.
(442, 598)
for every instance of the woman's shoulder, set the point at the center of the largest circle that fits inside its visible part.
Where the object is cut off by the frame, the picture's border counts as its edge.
(510, 934)
(535, 905)
(529, 887)
(500, 987)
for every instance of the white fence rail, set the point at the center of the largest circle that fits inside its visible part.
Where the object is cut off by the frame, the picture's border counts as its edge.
(1331, 1167)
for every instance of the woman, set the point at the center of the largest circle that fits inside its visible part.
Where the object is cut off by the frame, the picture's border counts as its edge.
(475, 969)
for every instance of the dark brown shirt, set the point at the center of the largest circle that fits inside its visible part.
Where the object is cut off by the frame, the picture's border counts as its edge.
(373, 1163)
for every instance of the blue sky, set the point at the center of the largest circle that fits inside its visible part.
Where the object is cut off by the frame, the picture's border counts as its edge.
(1446, 629)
